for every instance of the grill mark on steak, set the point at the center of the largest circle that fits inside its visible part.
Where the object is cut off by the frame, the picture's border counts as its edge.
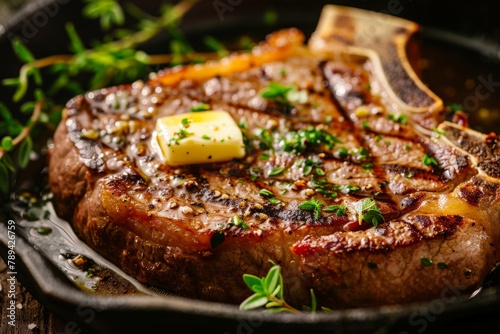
(400, 233)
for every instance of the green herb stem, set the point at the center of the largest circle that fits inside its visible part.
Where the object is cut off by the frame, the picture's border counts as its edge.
(169, 17)
(27, 129)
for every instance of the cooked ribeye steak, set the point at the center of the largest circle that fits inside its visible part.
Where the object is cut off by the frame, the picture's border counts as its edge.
(352, 194)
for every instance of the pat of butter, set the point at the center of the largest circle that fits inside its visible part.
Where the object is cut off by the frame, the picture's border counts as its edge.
(196, 138)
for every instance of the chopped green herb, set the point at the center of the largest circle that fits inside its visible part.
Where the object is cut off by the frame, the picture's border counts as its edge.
(277, 93)
(265, 138)
(284, 95)
(206, 137)
(407, 147)
(320, 172)
(438, 133)
(368, 211)
(276, 171)
(254, 173)
(324, 188)
(360, 153)
(367, 167)
(442, 265)
(308, 165)
(339, 208)
(350, 188)
(200, 107)
(400, 118)
(216, 239)
(408, 174)
(274, 200)
(264, 156)
(307, 170)
(243, 124)
(426, 262)
(298, 142)
(366, 126)
(429, 161)
(313, 205)
(266, 193)
(238, 221)
(343, 152)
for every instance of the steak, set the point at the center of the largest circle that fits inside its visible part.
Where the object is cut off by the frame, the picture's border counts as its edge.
(343, 140)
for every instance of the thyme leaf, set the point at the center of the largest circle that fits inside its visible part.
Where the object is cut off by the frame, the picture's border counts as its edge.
(368, 211)
(313, 205)
(430, 161)
(268, 293)
(340, 209)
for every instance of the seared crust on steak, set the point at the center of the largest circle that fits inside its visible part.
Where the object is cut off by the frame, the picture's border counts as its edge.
(180, 228)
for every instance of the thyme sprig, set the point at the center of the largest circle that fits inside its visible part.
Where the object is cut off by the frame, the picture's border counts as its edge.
(114, 60)
(269, 293)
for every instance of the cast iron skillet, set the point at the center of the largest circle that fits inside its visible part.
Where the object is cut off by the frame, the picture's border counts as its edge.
(457, 45)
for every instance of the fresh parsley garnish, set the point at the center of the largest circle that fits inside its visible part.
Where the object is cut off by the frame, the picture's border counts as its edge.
(299, 141)
(324, 188)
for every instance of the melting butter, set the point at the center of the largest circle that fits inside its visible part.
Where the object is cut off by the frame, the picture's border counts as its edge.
(198, 137)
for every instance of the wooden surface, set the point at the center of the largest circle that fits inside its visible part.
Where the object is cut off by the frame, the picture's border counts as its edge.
(30, 315)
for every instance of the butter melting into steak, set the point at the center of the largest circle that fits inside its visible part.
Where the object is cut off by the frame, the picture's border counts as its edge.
(330, 134)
